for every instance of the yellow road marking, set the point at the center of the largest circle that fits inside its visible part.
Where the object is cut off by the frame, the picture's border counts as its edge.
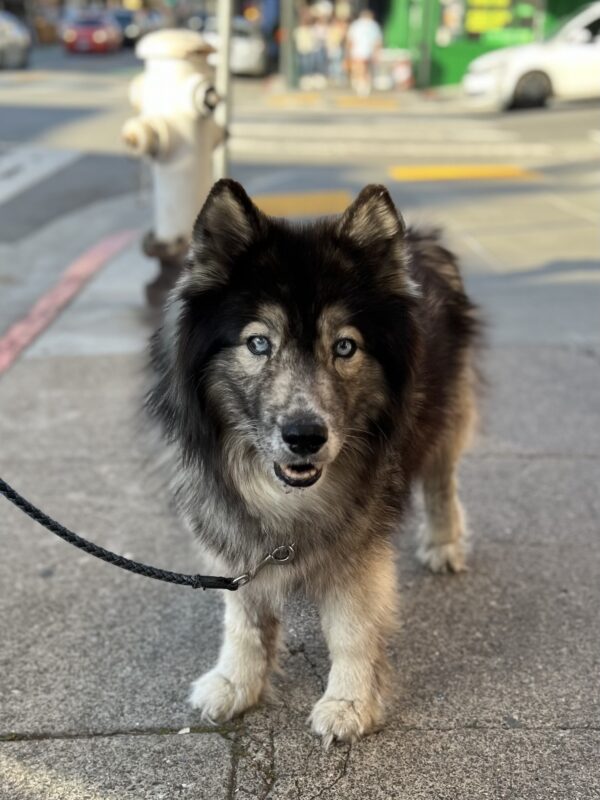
(294, 99)
(462, 172)
(303, 204)
(317, 99)
(370, 103)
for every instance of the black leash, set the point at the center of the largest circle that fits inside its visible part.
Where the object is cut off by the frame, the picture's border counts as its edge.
(195, 581)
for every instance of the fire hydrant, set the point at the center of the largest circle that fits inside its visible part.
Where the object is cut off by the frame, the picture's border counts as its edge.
(175, 98)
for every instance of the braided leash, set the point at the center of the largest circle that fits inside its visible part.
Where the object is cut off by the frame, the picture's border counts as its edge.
(194, 581)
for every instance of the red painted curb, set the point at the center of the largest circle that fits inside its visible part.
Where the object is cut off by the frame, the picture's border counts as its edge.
(22, 333)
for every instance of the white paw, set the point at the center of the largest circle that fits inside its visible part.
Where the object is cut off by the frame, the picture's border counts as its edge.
(443, 557)
(219, 698)
(344, 720)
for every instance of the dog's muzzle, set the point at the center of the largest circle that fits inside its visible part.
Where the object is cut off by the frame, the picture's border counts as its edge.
(304, 437)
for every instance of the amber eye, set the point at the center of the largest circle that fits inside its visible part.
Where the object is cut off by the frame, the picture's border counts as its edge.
(344, 348)
(259, 345)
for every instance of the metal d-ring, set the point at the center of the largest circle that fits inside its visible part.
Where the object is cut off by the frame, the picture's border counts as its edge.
(283, 554)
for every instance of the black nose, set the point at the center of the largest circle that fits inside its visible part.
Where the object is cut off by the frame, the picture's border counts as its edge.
(304, 436)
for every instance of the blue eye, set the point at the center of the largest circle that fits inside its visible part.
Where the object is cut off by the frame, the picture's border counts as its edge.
(345, 348)
(259, 345)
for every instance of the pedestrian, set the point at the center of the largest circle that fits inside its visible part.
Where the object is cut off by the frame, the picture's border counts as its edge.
(321, 15)
(336, 42)
(306, 44)
(363, 45)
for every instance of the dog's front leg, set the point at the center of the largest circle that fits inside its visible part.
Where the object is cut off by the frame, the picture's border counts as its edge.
(357, 613)
(247, 654)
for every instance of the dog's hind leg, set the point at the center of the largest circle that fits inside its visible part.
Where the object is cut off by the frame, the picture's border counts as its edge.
(441, 540)
(247, 655)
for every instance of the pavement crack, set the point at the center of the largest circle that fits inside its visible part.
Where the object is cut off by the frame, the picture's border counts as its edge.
(341, 774)
(233, 731)
(263, 767)
(236, 754)
(29, 736)
(301, 648)
(270, 773)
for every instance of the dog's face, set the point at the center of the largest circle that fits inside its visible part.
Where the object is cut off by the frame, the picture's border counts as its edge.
(300, 394)
(296, 342)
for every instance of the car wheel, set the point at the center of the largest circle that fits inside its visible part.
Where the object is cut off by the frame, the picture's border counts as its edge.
(15, 57)
(23, 61)
(533, 90)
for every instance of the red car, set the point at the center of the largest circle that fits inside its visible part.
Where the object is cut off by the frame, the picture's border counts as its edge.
(93, 34)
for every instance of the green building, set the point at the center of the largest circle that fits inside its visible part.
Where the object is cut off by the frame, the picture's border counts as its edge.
(444, 36)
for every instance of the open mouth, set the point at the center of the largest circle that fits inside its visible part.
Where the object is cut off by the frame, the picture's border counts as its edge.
(298, 475)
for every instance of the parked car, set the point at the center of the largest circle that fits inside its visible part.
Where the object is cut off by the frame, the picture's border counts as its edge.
(15, 42)
(134, 24)
(248, 46)
(130, 25)
(92, 34)
(154, 20)
(565, 66)
(195, 21)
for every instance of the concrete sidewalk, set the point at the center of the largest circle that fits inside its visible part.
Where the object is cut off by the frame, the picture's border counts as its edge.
(496, 690)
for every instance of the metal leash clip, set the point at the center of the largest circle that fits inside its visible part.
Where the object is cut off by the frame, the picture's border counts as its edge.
(280, 555)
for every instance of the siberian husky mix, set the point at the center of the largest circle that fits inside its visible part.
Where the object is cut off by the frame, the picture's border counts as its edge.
(305, 376)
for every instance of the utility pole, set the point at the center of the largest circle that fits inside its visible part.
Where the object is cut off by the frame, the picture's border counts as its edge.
(223, 88)
(287, 65)
(424, 72)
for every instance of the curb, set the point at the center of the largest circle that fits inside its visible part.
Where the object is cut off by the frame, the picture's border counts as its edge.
(22, 333)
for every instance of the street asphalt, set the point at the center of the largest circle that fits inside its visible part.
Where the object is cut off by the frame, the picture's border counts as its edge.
(497, 671)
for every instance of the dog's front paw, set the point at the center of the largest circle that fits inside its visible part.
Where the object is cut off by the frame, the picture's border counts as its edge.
(345, 720)
(219, 698)
(443, 557)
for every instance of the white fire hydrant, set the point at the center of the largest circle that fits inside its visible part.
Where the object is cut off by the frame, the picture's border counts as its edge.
(175, 99)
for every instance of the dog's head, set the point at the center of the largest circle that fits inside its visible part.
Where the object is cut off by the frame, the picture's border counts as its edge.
(294, 343)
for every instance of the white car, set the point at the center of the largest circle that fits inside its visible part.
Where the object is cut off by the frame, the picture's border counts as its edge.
(248, 46)
(565, 66)
(15, 42)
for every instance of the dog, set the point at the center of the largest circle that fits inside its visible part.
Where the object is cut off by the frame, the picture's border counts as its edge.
(304, 378)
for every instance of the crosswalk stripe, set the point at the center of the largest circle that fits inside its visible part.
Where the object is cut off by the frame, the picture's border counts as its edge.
(462, 172)
(352, 131)
(303, 204)
(23, 167)
(290, 150)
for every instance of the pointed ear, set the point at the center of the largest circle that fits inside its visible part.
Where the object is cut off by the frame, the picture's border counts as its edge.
(372, 218)
(226, 226)
(373, 223)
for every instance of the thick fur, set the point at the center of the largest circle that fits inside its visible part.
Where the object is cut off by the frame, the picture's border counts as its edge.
(400, 409)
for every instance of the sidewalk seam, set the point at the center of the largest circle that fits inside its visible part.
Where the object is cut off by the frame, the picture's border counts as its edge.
(228, 731)
(221, 730)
